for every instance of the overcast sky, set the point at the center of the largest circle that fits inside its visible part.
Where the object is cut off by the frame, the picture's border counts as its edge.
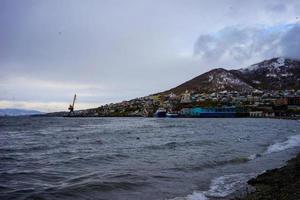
(113, 50)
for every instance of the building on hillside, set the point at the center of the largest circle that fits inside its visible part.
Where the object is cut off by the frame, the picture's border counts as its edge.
(256, 113)
(293, 101)
(288, 101)
(186, 97)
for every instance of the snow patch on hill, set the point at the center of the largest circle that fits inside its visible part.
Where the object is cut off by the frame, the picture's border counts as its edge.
(274, 65)
(225, 79)
(280, 62)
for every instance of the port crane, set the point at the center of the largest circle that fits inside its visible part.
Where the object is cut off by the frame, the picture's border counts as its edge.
(71, 106)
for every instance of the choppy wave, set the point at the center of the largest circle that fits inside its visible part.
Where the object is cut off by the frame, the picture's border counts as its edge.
(220, 187)
(100, 158)
(228, 184)
(172, 145)
(103, 186)
(72, 190)
(194, 196)
(253, 156)
(291, 142)
(213, 164)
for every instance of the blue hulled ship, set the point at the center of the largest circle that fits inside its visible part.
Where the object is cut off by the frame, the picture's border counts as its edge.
(209, 112)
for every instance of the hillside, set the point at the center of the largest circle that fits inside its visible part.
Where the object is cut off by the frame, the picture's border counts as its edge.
(273, 74)
(213, 81)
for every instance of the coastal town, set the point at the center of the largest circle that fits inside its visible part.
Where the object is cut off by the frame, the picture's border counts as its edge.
(194, 104)
(270, 88)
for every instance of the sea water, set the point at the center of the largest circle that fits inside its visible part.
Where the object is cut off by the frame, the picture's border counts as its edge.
(139, 158)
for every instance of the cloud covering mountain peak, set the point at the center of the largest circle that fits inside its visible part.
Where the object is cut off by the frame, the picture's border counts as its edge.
(240, 45)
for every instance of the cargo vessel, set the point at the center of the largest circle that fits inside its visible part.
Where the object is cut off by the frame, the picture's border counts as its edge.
(161, 112)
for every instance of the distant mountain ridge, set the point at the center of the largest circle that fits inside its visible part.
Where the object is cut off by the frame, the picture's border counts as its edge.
(18, 112)
(274, 74)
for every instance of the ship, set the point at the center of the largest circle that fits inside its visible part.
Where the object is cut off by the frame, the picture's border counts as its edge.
(172, 115)
(229, 111)
(161, 112)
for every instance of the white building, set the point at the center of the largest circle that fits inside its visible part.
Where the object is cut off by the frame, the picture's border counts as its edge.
(186, 97)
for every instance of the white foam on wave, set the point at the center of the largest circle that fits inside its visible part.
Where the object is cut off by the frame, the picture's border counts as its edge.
(194, 196)
(227, 184)
(291, 142)
(253, 156)
(220, 187)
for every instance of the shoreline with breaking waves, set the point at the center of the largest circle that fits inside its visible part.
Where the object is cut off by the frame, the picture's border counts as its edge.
(279, 183)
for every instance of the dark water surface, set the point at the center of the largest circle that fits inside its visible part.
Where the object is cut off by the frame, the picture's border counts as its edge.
(138, 158)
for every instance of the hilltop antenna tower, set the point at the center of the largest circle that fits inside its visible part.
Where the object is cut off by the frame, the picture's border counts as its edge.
(71, 106)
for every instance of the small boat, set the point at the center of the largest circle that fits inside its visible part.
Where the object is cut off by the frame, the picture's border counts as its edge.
(161, 112)
(172, 115)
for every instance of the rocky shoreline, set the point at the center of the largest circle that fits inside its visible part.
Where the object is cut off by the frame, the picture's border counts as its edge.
(277, 184)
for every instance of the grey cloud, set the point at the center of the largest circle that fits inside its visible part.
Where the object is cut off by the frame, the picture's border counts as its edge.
(277, 7)
(290, 43)
(239, 45)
